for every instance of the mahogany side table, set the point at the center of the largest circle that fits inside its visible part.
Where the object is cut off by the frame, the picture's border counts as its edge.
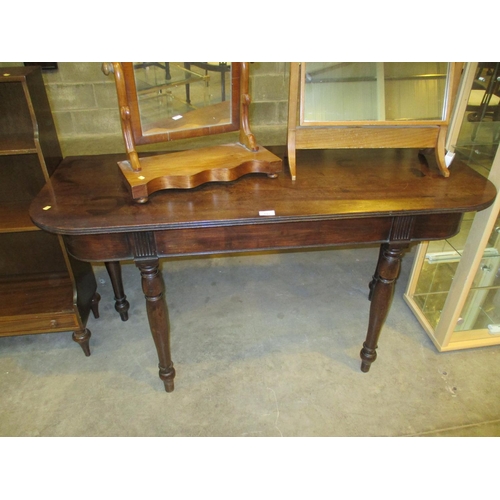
(384, 196)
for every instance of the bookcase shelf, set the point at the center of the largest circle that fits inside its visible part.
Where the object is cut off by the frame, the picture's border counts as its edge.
(43, 288)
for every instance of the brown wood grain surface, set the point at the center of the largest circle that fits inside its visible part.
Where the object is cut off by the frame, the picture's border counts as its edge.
(87, 194)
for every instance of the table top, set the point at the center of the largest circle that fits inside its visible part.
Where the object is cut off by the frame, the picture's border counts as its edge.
(87, 194)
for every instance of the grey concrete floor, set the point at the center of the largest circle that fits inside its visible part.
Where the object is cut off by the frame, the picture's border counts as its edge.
(264, 345)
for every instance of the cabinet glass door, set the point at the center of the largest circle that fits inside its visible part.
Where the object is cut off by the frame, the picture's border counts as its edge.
(373, 91)
(454, 289)
(482, 307)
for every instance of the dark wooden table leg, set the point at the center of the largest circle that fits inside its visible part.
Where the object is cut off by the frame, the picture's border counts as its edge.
(94, 305)
(381, 292)
(375, 277)
(153, 288)
(82, 337)
(115, 274)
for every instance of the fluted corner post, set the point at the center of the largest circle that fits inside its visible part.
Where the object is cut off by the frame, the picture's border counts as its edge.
(154, 291)
(381, 293)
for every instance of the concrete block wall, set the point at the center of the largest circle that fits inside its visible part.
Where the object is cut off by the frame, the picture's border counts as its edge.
(269, 95)
(85, 107)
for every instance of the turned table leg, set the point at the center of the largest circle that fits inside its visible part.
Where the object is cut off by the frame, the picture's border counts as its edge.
(153, 288)
(375, 277)
(381, 292)
(115, 274)
(82, 337)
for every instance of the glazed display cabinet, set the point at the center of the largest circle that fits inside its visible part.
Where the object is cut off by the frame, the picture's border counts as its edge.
(43, 288)
(454, 287)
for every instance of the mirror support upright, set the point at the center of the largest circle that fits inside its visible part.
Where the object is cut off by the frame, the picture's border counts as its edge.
(125, 116)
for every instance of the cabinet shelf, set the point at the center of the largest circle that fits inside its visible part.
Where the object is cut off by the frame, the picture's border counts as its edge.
(17, 145)
(14, 217)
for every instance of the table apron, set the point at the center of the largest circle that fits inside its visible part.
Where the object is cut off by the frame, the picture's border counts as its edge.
(267, 236)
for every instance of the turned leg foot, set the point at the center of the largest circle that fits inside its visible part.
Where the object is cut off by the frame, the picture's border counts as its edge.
(82, 337)
(167, 375)
(368, 356)
(381, 292)
(115, 275)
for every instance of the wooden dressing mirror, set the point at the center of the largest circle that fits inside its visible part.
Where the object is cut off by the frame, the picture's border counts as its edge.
(371, 105)
(168, 101)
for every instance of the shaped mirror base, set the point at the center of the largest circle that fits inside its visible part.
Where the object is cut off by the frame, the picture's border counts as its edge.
(189, 169)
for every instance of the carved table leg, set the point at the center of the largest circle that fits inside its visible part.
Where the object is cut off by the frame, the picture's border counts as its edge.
(115, 274)
(153, 288)
(381, 292)
(82, 337)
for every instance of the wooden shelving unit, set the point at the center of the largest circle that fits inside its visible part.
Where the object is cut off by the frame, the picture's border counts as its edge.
(42, 288)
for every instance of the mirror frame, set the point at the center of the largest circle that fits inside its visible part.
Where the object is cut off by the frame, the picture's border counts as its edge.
(128, 97)
(188, 168)
(426, 135)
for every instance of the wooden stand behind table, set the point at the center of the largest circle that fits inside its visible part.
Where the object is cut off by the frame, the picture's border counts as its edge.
(341, 197)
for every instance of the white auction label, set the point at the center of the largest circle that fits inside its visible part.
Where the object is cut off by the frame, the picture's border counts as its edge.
(267, 213)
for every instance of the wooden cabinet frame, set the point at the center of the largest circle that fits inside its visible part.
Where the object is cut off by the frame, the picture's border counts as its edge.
(428, 135)
(444, 334)
(43, 288)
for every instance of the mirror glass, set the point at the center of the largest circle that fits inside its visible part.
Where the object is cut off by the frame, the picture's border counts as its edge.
(177, 96)
(378, 92)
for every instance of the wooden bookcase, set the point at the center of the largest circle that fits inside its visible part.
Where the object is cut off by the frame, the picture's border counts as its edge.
(42, 288)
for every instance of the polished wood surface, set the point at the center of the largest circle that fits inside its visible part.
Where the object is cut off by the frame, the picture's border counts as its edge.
(390, 197)
(189, 169)
(87, 194)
